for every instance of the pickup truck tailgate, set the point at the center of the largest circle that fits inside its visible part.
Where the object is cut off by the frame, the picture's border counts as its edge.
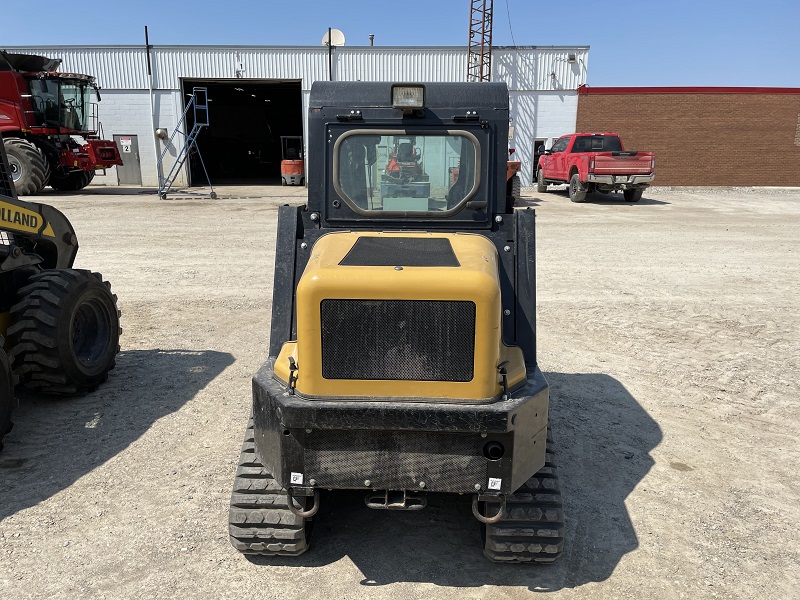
(622, 163)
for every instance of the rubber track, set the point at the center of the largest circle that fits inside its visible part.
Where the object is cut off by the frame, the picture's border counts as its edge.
(259, 519)
(34, 351)
(533, 529)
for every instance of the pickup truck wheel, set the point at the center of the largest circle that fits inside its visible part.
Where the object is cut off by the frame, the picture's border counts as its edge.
(576, 191)
(633, 195)
(541, 186)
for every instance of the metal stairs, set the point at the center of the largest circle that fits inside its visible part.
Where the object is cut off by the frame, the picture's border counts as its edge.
(198, 103)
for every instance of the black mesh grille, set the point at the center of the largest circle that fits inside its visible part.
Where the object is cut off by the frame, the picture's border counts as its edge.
(415, 340)
(395, 459)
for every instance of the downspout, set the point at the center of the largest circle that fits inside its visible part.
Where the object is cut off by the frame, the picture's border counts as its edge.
(330, 56)
(159, 169)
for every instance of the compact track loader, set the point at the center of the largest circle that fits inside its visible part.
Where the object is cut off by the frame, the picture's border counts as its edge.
(402, 355)
(59, 326)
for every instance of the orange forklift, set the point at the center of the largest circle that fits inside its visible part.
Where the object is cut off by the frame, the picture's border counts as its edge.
(293, 167)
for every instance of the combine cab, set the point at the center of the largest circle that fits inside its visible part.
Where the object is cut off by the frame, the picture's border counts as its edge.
(49, 125)
(402, 357)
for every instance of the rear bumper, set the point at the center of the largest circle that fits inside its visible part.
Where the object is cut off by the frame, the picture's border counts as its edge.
(621, 180)
(424, 446)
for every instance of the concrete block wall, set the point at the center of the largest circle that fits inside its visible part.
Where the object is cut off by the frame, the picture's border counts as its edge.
(127, 112)
(705, 139)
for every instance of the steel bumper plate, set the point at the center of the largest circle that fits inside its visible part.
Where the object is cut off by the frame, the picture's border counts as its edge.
(400, 445)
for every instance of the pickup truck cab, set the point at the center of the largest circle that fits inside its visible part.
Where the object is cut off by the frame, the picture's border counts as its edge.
(591, 162)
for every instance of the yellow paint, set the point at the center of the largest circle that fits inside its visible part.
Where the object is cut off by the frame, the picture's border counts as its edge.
(16, 218)
(476, 280)
(48, 231)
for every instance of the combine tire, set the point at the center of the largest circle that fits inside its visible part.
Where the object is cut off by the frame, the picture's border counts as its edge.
(259, 519)
(71, 181)
(532, 530)
(65, 331)
(6, 393)
(29, 168)
(633, 195)
(576, 191)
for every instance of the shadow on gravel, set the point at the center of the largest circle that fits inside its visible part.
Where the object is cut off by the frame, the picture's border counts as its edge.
(609, 199)
(603, 439)
(56, 441)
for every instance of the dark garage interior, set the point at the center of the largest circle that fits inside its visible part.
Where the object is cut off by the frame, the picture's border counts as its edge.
(247, 117)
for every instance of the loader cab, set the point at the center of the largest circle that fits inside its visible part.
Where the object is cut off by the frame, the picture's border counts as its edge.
(407, 156)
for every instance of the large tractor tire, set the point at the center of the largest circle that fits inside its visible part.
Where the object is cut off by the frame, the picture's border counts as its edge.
(65, 331)
(29, 168)
(6, 393)
(71, 181)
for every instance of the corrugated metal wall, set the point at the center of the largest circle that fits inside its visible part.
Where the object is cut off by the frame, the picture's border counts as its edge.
(527, 68)
(543, 81)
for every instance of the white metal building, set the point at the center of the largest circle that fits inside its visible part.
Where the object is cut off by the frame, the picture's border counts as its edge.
(542, 81)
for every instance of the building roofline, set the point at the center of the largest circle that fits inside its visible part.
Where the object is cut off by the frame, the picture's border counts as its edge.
(256, 47)
(585, 90)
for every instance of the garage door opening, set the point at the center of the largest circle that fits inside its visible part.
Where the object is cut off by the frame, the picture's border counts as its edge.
(247, 118)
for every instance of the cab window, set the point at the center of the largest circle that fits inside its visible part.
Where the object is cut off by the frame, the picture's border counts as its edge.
(391, 172)
(560, 145)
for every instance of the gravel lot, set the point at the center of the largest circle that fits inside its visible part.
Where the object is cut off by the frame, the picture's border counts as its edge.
(668, 330)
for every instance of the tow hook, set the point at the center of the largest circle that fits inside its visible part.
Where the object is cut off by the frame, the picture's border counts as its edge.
(487, 498)
(305, 514)
(395, 500)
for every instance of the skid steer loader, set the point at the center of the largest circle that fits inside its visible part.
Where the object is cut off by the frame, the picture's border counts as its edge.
(59, 326)
(402, 354)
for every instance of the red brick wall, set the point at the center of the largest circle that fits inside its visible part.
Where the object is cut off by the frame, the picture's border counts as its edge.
(705, 138)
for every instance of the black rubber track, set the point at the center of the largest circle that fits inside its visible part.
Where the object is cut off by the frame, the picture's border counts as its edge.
(533, 528)
(259, 519)
(34, 168)
(65, 331)
(6, 393)
(72, 181)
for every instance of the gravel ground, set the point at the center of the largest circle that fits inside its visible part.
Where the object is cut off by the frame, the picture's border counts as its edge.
(668, 330)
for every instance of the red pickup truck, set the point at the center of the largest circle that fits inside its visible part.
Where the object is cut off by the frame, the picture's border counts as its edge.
(591, 162)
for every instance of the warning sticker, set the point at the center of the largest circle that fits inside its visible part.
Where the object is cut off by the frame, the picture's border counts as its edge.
(296, 478)
(126, 144)
(494, 484)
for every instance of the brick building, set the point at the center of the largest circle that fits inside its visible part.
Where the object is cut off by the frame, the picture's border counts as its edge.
(704, 136)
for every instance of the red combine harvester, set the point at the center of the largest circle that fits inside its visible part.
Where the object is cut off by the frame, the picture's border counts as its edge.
(42, 111)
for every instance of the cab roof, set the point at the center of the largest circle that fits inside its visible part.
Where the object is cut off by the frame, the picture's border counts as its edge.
(361, 94)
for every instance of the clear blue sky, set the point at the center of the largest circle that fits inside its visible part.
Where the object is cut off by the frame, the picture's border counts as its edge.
(644, 42)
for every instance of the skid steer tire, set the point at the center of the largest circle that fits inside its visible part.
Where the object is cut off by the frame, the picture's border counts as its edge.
(6, 393)
(259, 519)
(65, 331)
(71, 181)
(29, 168)
(532, 530)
